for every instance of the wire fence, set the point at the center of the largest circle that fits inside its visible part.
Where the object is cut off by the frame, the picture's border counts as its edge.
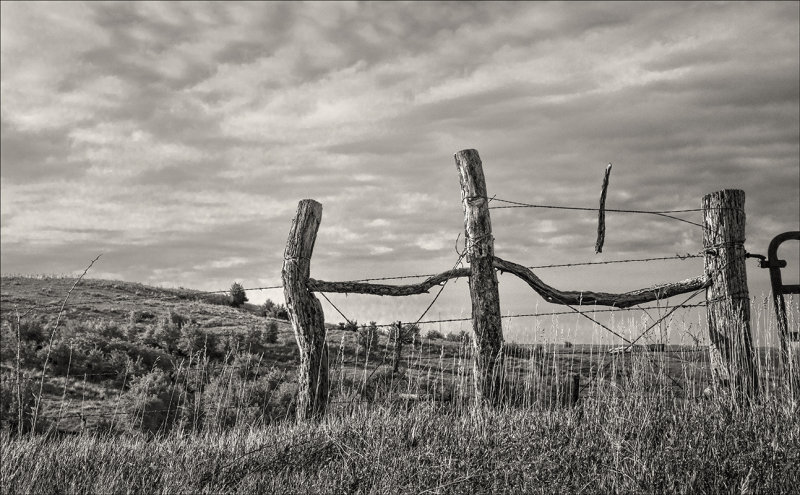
(177, 295)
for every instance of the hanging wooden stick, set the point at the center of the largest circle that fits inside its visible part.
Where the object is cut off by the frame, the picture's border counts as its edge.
(601, 223)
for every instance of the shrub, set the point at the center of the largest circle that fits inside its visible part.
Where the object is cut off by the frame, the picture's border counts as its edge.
(33, 330)
(64, 357)
(97, 365)
(223, 398)
(141, 358)
(350, 326)
(177, 319)
(167, 331)
(193, 340)
(434, 334)
(230, 399)
(246, 365)
(463, 337)
(238, 295)
(140, 316)
(283, 403)
(11, 404)
(148, 337)
(231, 344)
(271, 333)
(107, 330)
(273, 310)
(151, 404)
(367, 336)
(29, 345)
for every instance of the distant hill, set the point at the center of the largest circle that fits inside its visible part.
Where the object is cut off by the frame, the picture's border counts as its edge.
(114, 300)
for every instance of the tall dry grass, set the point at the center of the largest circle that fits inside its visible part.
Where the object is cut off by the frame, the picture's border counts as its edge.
(646, 422)
(622, 445)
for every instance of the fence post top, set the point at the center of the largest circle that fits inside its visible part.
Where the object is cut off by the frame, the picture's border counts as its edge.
(468, 151)
(725, 192)
(311, 202)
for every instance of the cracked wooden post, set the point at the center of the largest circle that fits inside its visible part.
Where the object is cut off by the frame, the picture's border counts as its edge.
(488, 341)
(727, 298)
(305, 311)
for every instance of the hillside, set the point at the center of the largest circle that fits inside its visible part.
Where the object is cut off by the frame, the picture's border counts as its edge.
(112, 333)
(158, 390)
(114, 300)
(129, 347)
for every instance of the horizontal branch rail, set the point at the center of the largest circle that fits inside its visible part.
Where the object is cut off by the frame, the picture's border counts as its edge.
(551, 294)
(624, 300)
(386, 289)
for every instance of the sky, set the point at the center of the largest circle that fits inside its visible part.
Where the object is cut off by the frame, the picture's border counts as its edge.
(178, 138)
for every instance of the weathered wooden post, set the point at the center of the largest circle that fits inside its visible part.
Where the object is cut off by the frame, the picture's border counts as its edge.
(305, 311)
(727, 298)
(488, 342)
(398, 346)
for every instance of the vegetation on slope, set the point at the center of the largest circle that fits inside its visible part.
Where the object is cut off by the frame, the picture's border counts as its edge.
(154, 390)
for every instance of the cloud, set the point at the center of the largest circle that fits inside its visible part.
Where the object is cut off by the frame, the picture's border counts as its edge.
(178, 137)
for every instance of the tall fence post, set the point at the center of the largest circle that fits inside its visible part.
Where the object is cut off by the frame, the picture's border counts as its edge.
(727, 298)
(488, 342)
(305, 311)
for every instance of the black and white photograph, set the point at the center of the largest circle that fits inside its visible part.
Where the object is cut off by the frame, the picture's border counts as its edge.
(422, 247)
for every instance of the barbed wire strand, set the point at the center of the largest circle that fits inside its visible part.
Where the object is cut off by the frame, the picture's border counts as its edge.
(399, 330)
(223, 366)
(662, 318)
(185, 295)
(663, 213)
(631, 343)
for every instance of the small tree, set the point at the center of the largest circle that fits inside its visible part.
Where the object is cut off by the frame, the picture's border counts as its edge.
(238, 295)
(400, 335)
(368, 336)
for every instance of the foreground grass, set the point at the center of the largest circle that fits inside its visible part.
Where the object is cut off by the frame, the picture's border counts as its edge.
(625, 445)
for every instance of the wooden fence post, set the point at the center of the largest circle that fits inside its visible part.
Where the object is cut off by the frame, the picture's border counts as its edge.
(398, 346)
(488, 342)
(305, 311)
(727, 298)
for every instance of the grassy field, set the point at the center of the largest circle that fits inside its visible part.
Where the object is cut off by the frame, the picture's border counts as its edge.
(604, 446)
(643, 423)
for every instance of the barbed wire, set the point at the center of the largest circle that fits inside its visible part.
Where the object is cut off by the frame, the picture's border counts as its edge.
(517, 204)
(653, 325)
(181, 296)
(553, 313)
(662, 213)
(521, 315)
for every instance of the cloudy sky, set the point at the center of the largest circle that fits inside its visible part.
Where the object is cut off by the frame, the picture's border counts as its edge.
(178, 138)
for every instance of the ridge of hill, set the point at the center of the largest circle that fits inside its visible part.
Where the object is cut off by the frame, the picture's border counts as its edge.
(114, 300)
